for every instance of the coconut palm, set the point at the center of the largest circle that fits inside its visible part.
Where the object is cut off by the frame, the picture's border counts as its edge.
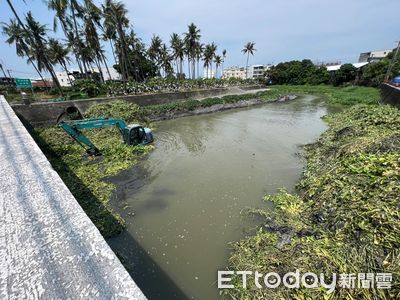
(166, 61)
(37, 48)
(16, 36)
(213, 50)
(248, 49)
(58, 54)
(155, 50)
(192, 37)
(91, 21)
(110, 34)
(115, 18)
(199, 54)
(178, 52)
(218, 62)
(223, 61)
(208, 56)
(61, 7)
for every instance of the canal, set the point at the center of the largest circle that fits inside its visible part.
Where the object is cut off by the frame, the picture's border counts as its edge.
(183, 203)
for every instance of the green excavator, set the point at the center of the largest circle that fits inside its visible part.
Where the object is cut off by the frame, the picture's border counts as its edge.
(132, 134)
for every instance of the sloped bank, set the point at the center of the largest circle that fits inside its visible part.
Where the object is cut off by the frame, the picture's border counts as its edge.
(345, 217)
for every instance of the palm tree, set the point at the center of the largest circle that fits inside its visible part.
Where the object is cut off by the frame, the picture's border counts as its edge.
(208, 57)
(218, 62)
(32, 41)
(17, 36)
(115, 19)
(192, 37)
(178, 52)
(76, 11)
(60, 7)
(38, 50)
(223, 61)
(58, 54)
(213, 50)
(166, 61)
(199, 54)
(248, 49)
(91, 19)
(155, 50)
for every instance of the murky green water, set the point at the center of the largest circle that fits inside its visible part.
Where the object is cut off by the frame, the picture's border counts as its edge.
(188, 194)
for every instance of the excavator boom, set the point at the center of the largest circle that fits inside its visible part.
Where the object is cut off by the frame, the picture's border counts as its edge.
(132, 135)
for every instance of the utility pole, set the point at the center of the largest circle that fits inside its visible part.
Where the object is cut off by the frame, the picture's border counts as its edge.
(9, 74)
(389, 70)
(4, 73)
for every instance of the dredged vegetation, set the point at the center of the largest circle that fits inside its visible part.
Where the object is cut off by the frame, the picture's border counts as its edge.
(345, 217)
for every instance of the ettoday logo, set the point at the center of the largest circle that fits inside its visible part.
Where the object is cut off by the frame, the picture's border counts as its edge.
(310, 280)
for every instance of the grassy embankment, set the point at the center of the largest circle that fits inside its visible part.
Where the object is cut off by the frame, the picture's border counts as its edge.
(85, 177)
(345, 217)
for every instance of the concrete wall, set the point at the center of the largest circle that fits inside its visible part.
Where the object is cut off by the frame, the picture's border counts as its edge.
(47, 113)
(49, 248)
(390, 95)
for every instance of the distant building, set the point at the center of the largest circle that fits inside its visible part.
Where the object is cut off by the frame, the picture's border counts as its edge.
(210, 73)
(257, 71)
(40, 83)
(76, 74)
(358, 66)
(234, 72)
(65, 79)
(373, 55)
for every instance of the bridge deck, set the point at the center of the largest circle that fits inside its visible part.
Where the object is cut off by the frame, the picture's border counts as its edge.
(49, 248)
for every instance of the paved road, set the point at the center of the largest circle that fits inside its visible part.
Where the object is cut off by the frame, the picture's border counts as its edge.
(49, 248)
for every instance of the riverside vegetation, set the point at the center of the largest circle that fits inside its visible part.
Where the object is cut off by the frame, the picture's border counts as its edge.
(345, 217)
(85, 177)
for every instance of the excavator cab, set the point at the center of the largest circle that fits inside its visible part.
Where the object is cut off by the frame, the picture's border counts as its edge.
(136, 134)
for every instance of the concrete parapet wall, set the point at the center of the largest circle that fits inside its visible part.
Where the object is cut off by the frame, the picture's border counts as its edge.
(47, 113)
(49, 248)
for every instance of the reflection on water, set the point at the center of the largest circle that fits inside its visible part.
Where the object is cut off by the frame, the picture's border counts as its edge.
(187, 196)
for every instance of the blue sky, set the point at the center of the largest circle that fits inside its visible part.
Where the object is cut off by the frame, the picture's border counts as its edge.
(325, 30)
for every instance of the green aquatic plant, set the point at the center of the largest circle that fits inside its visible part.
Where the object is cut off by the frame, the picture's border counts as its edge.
(345, 217)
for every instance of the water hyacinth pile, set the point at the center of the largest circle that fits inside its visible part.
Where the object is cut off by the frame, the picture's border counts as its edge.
(345, 218)
(85, 176)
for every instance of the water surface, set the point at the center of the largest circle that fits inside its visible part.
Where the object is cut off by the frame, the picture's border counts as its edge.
(188, 194)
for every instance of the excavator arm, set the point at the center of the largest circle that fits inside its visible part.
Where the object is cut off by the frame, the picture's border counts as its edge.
(73, 128)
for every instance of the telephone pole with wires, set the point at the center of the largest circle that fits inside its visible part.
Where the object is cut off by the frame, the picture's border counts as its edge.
(389, 70)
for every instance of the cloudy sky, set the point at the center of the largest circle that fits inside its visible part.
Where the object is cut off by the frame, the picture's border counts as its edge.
(324, 30)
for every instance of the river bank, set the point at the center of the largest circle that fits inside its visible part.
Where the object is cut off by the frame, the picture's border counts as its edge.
(84, 176)
(343, 219)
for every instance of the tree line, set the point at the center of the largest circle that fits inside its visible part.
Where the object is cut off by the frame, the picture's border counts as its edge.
(306, 72)
(87, 27)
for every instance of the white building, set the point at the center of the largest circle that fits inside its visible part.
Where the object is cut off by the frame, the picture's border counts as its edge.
(113, 73)
(63, 78)
(337, 67)
(209, 74)
(257, 71)
(373, 55)
(64, 81)
(234, 72)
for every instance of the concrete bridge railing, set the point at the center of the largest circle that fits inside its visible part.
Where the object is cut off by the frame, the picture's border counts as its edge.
(49, 248)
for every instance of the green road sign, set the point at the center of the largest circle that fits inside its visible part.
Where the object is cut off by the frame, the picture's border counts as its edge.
(23, 83)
